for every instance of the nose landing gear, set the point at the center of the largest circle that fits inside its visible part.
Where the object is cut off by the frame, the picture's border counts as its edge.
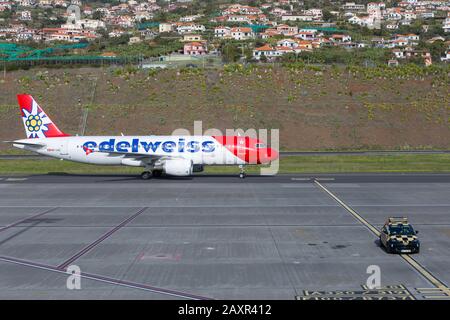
(242, 173)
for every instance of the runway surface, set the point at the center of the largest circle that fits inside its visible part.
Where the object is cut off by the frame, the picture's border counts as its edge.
(219, 237)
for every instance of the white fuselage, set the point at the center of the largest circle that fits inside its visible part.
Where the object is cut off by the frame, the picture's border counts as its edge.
(132, 150)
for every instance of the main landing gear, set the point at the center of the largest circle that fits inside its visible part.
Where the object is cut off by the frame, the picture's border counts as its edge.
(146, 175)
(157, 173)
(242, 173)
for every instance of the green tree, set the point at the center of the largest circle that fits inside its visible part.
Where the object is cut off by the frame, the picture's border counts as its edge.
(7, 14)
(97, 15)
(327, 16)
(230, 53)
(437, 49)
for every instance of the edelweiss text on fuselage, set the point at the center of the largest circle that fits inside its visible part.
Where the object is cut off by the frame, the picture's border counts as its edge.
(168, 146)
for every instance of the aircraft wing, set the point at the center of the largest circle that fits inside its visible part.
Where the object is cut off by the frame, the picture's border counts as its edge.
(135, 155)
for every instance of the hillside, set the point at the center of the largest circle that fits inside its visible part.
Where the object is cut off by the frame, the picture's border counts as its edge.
(314, 108)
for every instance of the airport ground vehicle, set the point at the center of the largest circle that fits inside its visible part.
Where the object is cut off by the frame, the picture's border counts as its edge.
(398, 236)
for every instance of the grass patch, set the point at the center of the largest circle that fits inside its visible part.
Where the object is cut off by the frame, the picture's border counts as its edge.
(302, 164)
(367, 163)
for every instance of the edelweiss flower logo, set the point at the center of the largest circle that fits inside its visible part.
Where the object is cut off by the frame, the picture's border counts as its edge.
(35, 122)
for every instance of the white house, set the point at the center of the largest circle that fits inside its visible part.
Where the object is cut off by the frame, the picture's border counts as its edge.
(222, 32)
(366, 21)
(238, 18)
(85, 24)
(446, 24)
(391, 26)
(190, 18)
(134, 40)
(409, 16)
(25, 15)
(266, 51)
(376, 5)
(394, 16)
(351, 6)
(401, 42)
(190, 28)
(142, 15)
(286, 30)
(341, 38)
(399, 54)
(316, 13)
(289, 43)
(446, 57)
(412, 37)
(165, 27)
(242, 33)
(306, 34)
(297, 18)
(427, 15)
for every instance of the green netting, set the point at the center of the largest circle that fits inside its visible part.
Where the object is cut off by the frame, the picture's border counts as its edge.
(323, 29)
(146, 25)
(67, 58)
(14, 52)
(260, 27)
(257, 27)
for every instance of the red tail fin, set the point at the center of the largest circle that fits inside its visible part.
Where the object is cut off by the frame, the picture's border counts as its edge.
(36, 122)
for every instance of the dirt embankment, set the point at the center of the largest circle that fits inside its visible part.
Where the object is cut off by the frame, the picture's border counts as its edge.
(313, 109)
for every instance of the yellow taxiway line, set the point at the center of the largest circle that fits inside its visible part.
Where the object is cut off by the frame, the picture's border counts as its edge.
(412, 262)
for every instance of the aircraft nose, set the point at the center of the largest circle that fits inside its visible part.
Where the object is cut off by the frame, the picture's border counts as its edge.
(272, 154)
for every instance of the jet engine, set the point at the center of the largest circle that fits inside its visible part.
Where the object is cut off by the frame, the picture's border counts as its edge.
(178, 167)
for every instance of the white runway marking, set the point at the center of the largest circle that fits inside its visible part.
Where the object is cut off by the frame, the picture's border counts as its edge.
(184, 206)
(296, 185)
(118, 282)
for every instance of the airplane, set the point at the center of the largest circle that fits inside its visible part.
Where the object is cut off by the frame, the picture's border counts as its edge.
(170, 155)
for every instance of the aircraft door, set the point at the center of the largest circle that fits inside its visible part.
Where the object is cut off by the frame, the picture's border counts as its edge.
(63, 147)
(242, 147)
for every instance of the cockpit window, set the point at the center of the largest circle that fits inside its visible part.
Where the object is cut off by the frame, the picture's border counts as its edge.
(260, 145)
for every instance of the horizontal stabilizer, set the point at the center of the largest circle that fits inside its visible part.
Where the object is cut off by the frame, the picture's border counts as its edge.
(31, 144)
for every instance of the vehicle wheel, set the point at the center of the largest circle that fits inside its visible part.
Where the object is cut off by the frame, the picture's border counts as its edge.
(146, 175)
(242, 175)
(157, 173)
